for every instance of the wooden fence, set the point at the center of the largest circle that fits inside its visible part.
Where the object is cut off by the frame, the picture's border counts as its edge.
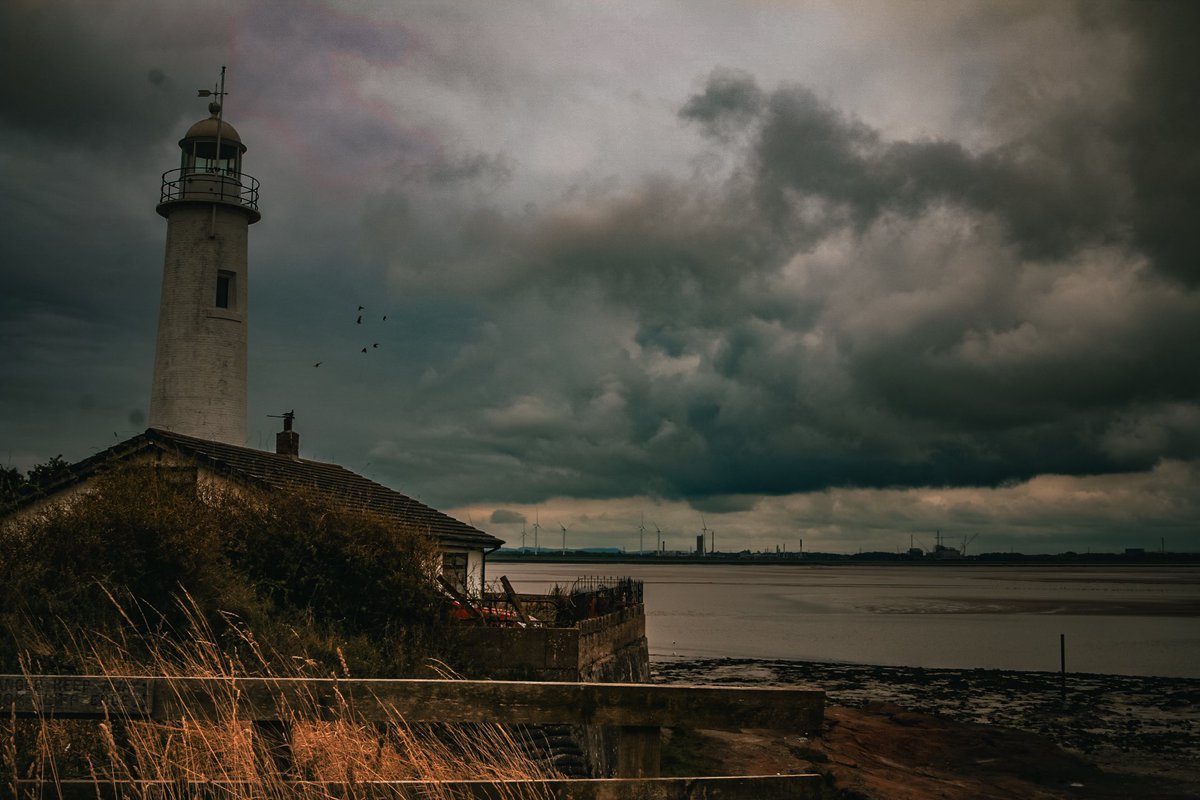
(637, 712)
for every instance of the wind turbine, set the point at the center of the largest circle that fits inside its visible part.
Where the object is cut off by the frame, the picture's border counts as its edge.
(658, 539)
(536, 550)
(564, 529)
(642, 536)
(522, 537)
(704, 532)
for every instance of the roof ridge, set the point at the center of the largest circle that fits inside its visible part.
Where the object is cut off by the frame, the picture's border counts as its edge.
(275, 470)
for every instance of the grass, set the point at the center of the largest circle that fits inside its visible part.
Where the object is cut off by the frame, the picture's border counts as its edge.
(38, 755)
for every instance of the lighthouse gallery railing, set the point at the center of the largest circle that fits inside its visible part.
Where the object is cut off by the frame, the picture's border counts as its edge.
(223, 186)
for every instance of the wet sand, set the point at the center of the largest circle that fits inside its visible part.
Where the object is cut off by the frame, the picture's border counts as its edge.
(1144, 726)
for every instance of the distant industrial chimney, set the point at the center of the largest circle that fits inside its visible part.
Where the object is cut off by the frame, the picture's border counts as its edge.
(287, 441)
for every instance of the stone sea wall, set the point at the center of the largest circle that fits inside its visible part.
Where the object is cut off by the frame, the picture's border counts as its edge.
(611, 648)
(608, 649)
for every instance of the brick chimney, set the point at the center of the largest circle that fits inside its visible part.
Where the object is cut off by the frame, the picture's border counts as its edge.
(287, 441)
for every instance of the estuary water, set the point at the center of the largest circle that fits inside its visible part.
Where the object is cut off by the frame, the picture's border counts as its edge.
(1117, 620)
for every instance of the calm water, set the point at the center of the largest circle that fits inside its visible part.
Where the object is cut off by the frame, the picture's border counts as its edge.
(1132, 621)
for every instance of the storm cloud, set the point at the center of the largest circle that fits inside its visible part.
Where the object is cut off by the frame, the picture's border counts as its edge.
(759, 262)
(841, 309)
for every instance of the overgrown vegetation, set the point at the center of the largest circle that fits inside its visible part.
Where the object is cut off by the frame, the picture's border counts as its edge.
(309, 576)
(151, 572)
(221, 753)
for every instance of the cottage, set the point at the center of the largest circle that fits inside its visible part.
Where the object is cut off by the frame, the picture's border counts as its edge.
(463, 547)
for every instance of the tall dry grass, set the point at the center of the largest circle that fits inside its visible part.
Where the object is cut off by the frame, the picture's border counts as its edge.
(336, 746)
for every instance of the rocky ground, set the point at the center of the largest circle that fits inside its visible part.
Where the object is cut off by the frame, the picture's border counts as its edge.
(898, 732)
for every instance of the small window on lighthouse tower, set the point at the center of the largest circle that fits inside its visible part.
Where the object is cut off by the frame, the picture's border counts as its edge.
(225, 289)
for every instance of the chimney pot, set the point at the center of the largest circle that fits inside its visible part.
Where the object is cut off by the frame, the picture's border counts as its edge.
(287, 441)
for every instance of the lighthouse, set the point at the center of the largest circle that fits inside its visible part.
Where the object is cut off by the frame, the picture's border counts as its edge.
(199, 386)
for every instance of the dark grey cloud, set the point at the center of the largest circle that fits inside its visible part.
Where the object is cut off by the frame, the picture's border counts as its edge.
(503, 516)
(573, 311)
(845, 309)
(730, 102)
(71, 86)
(1158, 133)
(1051, 199)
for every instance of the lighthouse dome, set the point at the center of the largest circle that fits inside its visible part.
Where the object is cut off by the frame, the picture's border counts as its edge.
(207, 129)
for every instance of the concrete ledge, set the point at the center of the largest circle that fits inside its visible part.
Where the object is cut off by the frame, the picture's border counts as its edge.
(754, 787)
(380, 700)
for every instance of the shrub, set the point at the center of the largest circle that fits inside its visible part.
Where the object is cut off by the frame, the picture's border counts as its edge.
(307, 574)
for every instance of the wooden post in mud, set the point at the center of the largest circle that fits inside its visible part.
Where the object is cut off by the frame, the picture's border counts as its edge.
(514, 600)
(475, 613)
(1062, 666)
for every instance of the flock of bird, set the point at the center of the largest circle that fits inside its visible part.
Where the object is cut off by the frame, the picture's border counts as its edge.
(359, 321)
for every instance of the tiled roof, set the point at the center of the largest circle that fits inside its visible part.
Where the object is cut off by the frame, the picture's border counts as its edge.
(275, 471)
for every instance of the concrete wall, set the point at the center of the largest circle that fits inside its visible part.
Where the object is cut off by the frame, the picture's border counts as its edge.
(199, 386)
(608, 649)
(613, 648)
(475, 568)
(518, 654)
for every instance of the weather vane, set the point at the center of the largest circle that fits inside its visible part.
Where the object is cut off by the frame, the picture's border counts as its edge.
(288, 417)
(216, 92)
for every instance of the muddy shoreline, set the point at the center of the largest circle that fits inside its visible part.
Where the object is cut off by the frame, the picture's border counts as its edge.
(1128, 724)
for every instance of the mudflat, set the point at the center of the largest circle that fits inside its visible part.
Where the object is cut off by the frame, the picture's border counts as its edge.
(898, 731)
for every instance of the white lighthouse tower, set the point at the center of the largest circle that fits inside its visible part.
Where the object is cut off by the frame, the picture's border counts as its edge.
(200, 358)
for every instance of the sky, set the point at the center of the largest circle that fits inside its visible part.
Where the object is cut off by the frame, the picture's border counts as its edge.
(821, 275)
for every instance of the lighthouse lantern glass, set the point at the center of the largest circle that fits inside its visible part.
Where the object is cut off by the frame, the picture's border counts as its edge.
(201, 156)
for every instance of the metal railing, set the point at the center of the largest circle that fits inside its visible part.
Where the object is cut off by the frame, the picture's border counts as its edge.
(595, 596)
(626, 588)
(587, 597)
(220, 185)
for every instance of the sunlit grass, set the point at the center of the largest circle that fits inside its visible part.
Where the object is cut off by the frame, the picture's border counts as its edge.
(181, 755)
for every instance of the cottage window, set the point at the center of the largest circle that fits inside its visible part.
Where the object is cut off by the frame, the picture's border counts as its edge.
(454, 570)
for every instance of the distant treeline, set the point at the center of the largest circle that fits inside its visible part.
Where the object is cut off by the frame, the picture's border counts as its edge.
(14, 485)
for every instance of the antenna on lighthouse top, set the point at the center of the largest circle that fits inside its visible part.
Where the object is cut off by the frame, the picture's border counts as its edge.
(215, 108)
(218, 91)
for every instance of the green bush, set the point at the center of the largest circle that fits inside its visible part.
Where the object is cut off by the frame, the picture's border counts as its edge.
(309, 577)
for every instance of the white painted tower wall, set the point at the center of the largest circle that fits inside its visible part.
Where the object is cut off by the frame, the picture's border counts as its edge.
(200, 358)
